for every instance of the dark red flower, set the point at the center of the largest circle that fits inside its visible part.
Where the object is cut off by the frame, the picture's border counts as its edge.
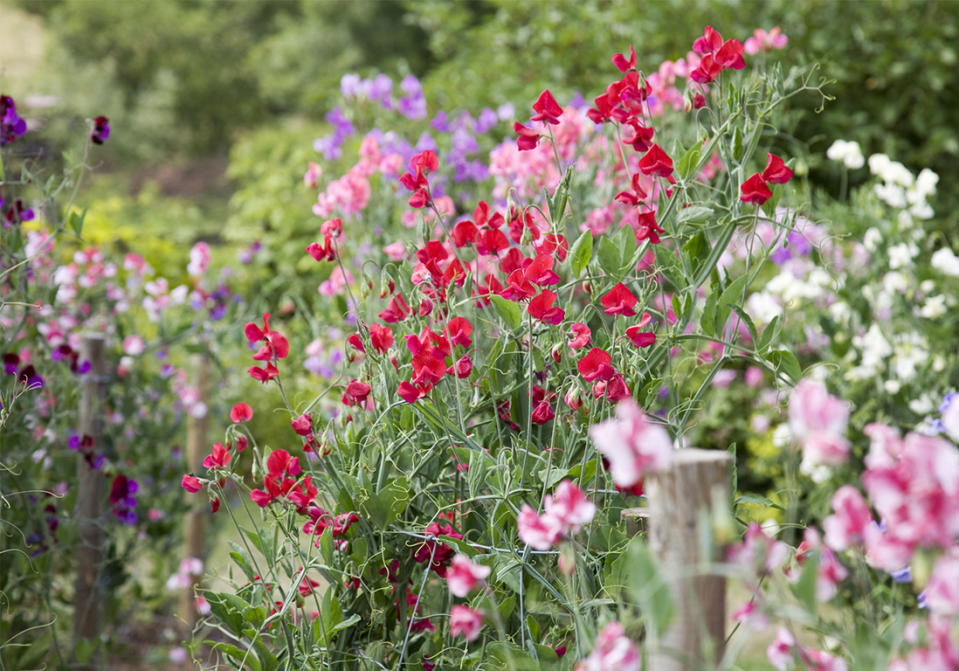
(656, 162)
(541, 308)
(547, 109)
(776, 171)
(619, 301)
(754, 190)
(622, 63)
(527, 138)
(101, 130)
(596, 365)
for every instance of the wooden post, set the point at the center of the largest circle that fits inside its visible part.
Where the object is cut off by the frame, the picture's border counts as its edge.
(680, 537)
(196, 447)
(91, 492)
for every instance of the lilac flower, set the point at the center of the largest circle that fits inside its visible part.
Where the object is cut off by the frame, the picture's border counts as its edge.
(351, 85)
(381, 88)
(440, 122)
(487, 119)
(11, 125)
(506, 112)
(413, 105)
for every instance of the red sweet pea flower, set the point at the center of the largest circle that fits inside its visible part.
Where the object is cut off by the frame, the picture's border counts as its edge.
(541, 308)
(646, 227)
(707, 71)
(409, 392)
(755, 190)
(622, 63)
(639, 338)
(641, 137)
(396, 311)
(557, 243)
(776, 171)
(543, 413)
(527, 137)
(463, 233)
(324, 252)
(276, 347)
(462, 368)
(710, 41)
(332, 228)
(191, 483)
(547, 109)
(635, 196)
(264, 374)
(730, 55)
(303, 425)
(218, 458)
(425, 162)
(442, 554)
(619, 301)
(581, 336)
(596, 365)
(656, 162)
(282, 470)
(422, 164)
(382, 337)
(356, 392)
(241, 412)
(459, 330)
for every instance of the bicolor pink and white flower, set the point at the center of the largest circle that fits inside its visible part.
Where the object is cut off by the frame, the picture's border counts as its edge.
(463, 575)
(465, 622)
(613, 651)
(631, 443)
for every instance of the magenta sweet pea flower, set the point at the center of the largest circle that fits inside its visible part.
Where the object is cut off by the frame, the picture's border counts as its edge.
(463, 575)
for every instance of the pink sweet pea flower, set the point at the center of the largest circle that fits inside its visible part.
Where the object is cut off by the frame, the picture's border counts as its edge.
(463, 575)
(852, 517)
(613, 652)
(818, 420)
(539, 532)
(241, 412)
(465, 621)
(569, 505)
(631, 443)
(942, 591)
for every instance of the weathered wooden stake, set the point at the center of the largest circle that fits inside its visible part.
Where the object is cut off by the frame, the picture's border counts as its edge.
(91, 492)
(196, 447)
(680, 500)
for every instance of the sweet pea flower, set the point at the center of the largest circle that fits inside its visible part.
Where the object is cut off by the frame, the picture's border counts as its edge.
(818, 420)
(613, 652)
(241, 412)
(466, 622)
(569, 505)
(463, 575)
(539, 532)
(942, 591)
(852, 516)
(632, 444)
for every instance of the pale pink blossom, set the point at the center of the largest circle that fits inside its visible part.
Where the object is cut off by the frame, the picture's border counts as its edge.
(539, 532)
(463, 575)
(762, 40)
(466, 622)
(758, 552)
(570, 507)
(942, 590)
(395, 251)
(133, 345)
(613, 651)
(631, 443)
(199, 259)
(848, 525)
(818, 421)
(781, 652)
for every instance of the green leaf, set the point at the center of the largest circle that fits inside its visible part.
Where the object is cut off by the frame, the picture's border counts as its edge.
(75, 221)
(386, 505)
(786, 362)
(696, 250)
(236, 653)
(508, 310)
(756, 499)
(240, 559)
(747, 320)
(581, 253)
(771, 330)
(688, 161)
(610, 257)
(733, 293)
(694, 214)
